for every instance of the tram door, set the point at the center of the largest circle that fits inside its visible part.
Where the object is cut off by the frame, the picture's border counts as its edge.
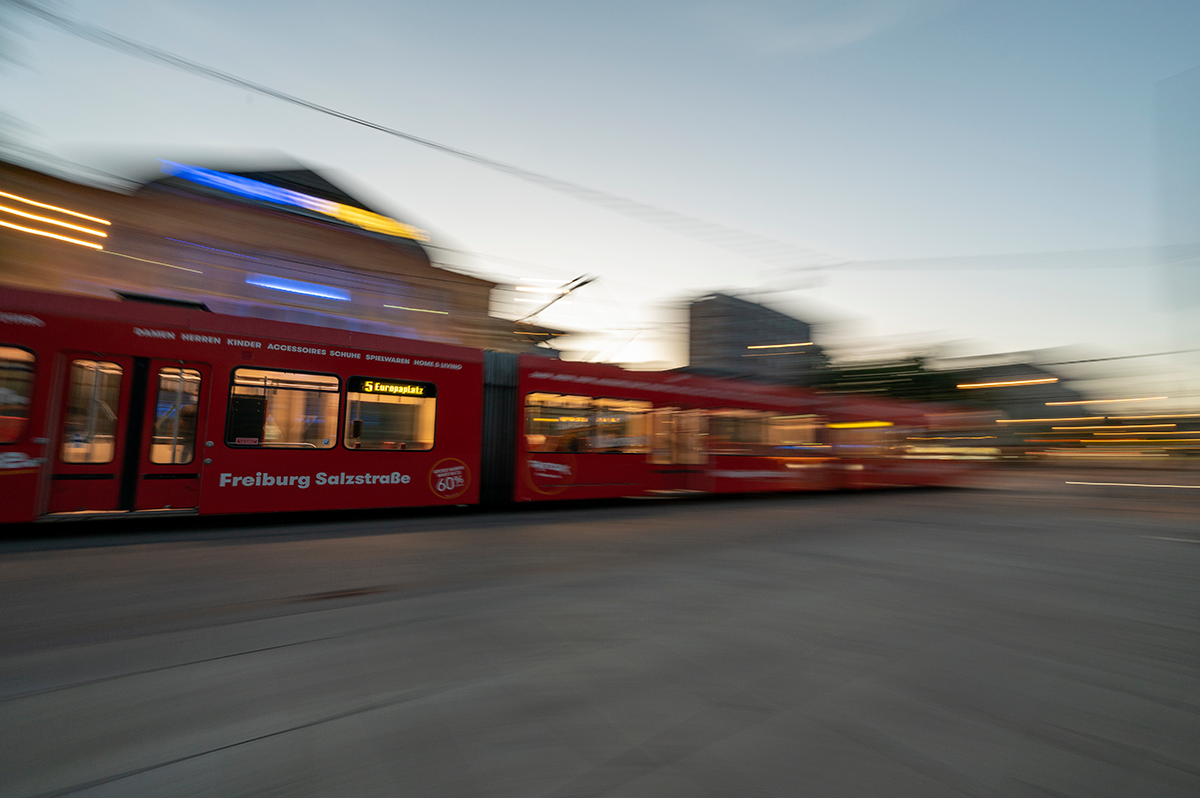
(678, 448)
(168, 472)
(127, 434)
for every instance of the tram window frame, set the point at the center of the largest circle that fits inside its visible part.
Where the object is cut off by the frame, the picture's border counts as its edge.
(428, 399)
(775, 430)
(565, 434)
(663, 434)
(592, 412)
(181, 443)
(747, 419)
(639, 416)
(78, 448)
(865, 443)
(21, 429)
(336, 413)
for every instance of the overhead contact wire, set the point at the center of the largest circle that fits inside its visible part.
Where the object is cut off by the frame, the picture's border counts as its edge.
(673, 221)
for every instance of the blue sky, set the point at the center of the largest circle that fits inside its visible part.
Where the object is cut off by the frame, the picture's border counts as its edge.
(865, 130)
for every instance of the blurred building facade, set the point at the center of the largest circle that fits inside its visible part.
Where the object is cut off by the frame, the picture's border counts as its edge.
(287, 245)
(730, 336)
(1016, 389)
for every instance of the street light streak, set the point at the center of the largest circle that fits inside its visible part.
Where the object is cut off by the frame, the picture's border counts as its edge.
(55, 208)
(1161, 415)
(88, 244)
(48, 220)
(1172, 432)
(1046, 420)
(155, 262)
(1106, 401)
(418, 310)
(1116, 428)
(1042, 381)
(1134, 485)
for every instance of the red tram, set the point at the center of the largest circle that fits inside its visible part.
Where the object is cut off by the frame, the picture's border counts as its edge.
(117, 407)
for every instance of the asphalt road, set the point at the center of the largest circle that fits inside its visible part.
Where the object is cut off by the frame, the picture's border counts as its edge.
(1032, 638)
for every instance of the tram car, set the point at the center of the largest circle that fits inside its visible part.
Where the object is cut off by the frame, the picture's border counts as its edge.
(129, 407)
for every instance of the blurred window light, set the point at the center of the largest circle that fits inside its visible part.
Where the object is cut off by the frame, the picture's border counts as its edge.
(529, 289)
(46, 234)
(1007, 383)
(35, 203)
(255, 189)
(298, 287)
(1105, 401)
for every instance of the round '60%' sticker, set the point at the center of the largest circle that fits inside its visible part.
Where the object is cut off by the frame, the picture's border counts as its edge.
(449, 478)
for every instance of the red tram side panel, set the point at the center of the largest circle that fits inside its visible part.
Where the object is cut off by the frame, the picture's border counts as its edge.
(884, 443)
(115, 406)
(590, 431)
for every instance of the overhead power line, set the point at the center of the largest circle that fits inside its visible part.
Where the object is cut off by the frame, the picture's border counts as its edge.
(1120, 357)
(731, 239)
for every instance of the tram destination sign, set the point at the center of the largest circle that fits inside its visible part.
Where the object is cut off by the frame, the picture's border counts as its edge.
(391, 387)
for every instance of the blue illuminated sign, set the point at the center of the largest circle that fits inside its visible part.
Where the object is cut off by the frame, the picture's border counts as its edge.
(256, 189)
(298, 287)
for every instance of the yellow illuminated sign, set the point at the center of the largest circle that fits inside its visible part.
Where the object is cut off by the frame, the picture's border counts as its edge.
(370, 385)
(390, 387)
(859, 424)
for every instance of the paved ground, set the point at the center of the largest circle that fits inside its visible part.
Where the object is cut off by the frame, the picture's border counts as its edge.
(1035, 638)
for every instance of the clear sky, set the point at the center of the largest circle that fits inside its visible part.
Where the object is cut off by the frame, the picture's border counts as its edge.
(867, 130)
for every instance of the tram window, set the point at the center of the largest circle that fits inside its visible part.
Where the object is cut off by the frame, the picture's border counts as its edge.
(282, 409)
(663, 435)
(691, 430)
(793, 432)
(16, 386)
(90, 426)
(176, 406)
(861, 442)
(621, 425)
(390, 414)
(556, 423)
(736, 432)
